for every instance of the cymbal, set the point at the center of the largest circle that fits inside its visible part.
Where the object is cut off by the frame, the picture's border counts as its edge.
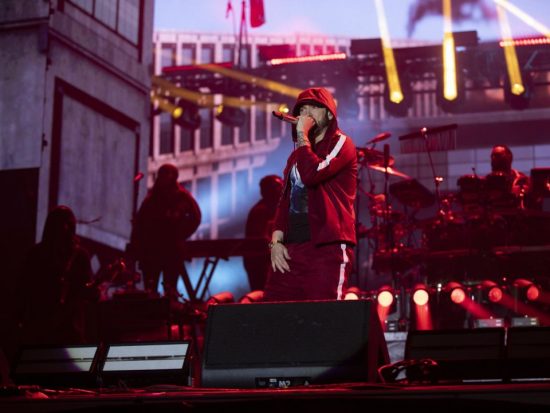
(369, 157)
(412, 193)
(391, 171)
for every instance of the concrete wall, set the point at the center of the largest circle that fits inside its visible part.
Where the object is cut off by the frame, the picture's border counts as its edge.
(22, 79)
(74, 102)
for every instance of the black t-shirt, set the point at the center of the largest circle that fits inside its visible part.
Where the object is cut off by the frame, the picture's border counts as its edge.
(298, 225)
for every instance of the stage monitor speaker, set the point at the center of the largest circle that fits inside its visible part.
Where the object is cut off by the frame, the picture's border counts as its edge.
(57, 366)
(528, 353)
(146, 363)
(262, 345)
(459, 355)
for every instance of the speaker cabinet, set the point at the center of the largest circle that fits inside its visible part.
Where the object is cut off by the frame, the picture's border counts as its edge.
(528, 353)
(461, 355)
(294, 343)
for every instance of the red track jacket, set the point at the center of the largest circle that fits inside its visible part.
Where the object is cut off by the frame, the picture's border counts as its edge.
(329, 171)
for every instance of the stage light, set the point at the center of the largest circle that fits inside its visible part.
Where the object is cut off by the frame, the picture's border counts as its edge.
(420, 295)
(189, 118)
(58, 366)
(457, 103)
(385, 300)
(522, 100)
(225, 297)
(526, 290)
(491, 291)
(353, 293)
(385, 297)
(456, 292)
(165, 105)
(421, 312)
(141, 364)
(252, 297)
(405, 101)
(230, 116)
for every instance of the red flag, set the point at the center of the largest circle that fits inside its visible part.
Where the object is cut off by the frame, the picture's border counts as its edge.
(229, 9)
(257, 14)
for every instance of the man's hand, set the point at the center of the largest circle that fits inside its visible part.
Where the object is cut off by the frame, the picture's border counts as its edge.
(305, 124)
(279, 257)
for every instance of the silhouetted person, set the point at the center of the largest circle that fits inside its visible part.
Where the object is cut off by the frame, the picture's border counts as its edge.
(53, 286)
(504, 184)
(260, 224)
(167, 217)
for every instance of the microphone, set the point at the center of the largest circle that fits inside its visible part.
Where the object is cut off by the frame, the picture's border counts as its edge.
(386, 155)
(285, 117)
(380, 137)
(138, 177)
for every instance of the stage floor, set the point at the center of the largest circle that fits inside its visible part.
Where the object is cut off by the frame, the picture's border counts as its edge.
(501, 397)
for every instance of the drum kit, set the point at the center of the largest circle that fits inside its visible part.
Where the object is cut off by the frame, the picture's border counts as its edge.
(483, 217)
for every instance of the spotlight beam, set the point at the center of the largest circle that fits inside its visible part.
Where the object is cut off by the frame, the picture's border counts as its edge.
(477, 310)
(526, 18)
(423, 317)
(202, 99)
(512, 64)
(450, 88)
(244, 77)
(395, 92)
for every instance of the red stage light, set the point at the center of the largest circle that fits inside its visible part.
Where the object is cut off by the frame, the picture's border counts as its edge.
(494, 294)
(353, 293)
(527, 290)
(458, 295)
(533, 293)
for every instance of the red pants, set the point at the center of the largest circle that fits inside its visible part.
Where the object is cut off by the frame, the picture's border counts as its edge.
(316, 273)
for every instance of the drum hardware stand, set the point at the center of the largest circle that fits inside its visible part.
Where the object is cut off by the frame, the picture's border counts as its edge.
(437, 179)
(403, 320)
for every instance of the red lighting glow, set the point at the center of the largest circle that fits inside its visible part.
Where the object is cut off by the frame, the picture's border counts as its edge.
(301, 59)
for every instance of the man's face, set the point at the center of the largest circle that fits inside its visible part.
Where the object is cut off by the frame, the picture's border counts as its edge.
(500, 159)
(319, 113)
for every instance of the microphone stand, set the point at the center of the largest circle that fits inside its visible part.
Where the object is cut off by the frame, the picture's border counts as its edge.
(437, 179)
